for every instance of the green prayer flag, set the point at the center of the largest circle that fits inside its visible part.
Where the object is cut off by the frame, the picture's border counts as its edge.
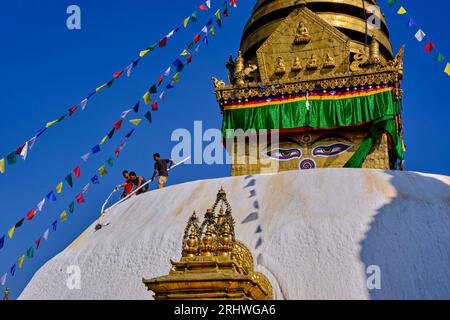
(194, 16)
(191, 45)
(12, 157)
(148, 116)
(30, 253)
(69, 180)
(391, 2)
(440, 57)
(71, 207)
(110, 83)
(110, 162)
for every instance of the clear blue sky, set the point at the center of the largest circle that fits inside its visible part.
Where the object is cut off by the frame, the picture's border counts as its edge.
(47, 69)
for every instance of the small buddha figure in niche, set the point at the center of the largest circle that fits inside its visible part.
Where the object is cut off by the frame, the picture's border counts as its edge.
(296, 65)
(312, 63)
(329, 61)
(302, 36)
(280, 67)
(240, 64)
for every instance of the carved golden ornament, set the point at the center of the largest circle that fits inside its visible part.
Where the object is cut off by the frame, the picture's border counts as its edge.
(312, 63)
(218, 83)
(296, 65)
(280, 68)
(329, 61)
(359, 59)
(302, 36)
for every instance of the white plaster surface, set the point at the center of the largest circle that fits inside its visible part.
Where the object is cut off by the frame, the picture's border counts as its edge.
(321, 230)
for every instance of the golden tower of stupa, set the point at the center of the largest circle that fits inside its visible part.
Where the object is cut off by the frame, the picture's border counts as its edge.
(322, 75)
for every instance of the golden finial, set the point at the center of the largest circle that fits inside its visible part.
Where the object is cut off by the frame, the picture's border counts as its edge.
(374, 51)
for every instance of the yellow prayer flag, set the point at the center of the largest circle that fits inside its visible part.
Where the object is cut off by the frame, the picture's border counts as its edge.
(185, 53)
(49, 124)
(59, 187)
(63, 216)
(186, 21)
(402, 10)
(2, 165)
(104, 139)
(147, 98)
(11, 232)
(447, 69)
(21, 260)
(143, 53)
(135, 121)
(212, 31)
(176, 77)
(217, 14)
(100, 88)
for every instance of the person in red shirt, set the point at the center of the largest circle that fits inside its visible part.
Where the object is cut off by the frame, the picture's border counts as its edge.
(127, 185)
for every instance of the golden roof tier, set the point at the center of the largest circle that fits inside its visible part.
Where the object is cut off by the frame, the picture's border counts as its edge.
(214, 265)
(348, 16)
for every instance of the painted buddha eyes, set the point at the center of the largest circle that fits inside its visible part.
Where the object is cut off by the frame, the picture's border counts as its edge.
(330, 150)
(284, 154)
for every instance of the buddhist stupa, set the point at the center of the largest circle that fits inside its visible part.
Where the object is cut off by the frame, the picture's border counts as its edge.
(322, 78)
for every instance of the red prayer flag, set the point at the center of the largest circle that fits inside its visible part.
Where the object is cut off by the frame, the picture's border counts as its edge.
(80, 198)
(429, 47)
(38, 242)
(160, 80)
(162, 42)
(203, 7)
(72, 110)
(197, 38)
(118, 124)
(155, 106)
(19, 149)
(117, 74)
(76, 171)
(189, 59)
(117, 152)
(30, 214)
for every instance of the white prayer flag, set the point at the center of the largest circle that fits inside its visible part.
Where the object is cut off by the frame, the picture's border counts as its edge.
(125, 113)
(167, 72)
(85, 188)
(83, 103)
(40, 205)
(45, 235)
(24, 151)
(205, 29)
(128, 69)
(420, 35)
(85, 157)
(3, 279)
(31, 142)
(170, 34)
(208, 4)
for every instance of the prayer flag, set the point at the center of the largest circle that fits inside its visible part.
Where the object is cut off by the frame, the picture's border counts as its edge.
(147, 98)
(203, 7)
(19, 223)
(49, 124)
(135, 121)
(103, 140)
(59, 187)
(194, 16)
(102, 171)
(217, 14)
(176, 78)
(63, 216)
(118, 124)
(76, 171)
(110, 162)
(68, 179)
(110, 83)
(30, 253)
(185, 53)
(391, 2)
(155, 106)
(31, 142)
(20, 261)
(209, 23)
(205, 30)
(2, 165)
(189, 59)
(24, 152)
(160, 80)
(167, 72)
(163, 42)
(178, 65)
(128, 69)
(72, 110)
(3, 279)
(136, 107)
(71, 207)
(197, 38)
(447, 69)
(208, 3)
(45, 235)
(148, 116)
(38, 243)
(30, 214)
(95, 149)
(11, 232)
(439, 57)
(143, 53)
(85, 157)
(111, 133)
(170, 86)
(411, 23)
(186, 21)
(420, 35)
(80, 198)
(101, 87)
(117, 74)
(13, 270)
(2, 241)
(162, 96)
(40, 205)
(153, 89)
(212, 31)
(85, 188)
(54, 225)
(125, 113)
(429, 47)
(95, 180)
(401, 10)
(129, 134)
(83, 104)
(51, 196)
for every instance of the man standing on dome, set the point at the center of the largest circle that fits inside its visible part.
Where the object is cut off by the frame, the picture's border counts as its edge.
(161, 169)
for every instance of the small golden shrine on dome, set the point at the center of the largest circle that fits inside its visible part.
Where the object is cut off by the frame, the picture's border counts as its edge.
(213, 265)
